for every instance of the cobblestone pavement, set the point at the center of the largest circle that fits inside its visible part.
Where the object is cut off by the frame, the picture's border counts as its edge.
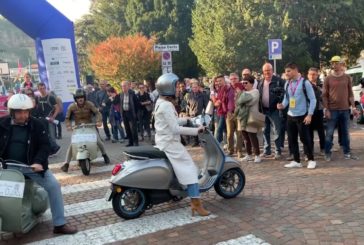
(277, 206)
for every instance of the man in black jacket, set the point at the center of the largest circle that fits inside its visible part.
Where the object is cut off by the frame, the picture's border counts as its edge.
(104, 107)
(271, 90)
(128, 108)
(30, 145)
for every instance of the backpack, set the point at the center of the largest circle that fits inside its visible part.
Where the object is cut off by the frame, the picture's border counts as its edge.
(48, 103)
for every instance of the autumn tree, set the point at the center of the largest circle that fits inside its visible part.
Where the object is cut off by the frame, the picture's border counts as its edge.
(167, 20)
(125, 58)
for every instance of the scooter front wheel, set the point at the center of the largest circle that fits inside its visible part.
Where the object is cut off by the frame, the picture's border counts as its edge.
(85, 166)
(129, 203)
(230, 183)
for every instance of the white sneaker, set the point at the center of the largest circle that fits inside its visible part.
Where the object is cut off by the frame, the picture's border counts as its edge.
(293, 164)
(311, 164)
(248, 158)
(257, 159)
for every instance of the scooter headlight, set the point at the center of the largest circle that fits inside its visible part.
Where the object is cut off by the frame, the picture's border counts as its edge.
(118, 167)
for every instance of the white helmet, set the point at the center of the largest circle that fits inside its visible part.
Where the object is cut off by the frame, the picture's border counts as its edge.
(20, 102)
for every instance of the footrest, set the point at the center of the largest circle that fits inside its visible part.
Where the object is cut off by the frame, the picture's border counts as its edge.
(208, 183)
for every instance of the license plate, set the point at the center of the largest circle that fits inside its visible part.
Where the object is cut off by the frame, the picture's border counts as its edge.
(11, 189)
(108, 195)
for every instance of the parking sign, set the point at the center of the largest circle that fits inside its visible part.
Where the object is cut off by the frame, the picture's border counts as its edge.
(275, 49)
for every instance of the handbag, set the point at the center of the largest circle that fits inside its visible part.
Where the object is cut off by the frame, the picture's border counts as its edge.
(209, 108)
(149, 107)
(256, 120)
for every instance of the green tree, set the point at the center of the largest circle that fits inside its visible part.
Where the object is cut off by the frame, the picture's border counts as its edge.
(228, 35)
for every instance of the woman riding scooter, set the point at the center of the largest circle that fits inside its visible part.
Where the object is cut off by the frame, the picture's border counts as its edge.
(82, 111)
(167, 139)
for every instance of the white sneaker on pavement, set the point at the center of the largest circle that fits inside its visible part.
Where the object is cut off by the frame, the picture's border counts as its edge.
(293, 164)
(257, 159)
(311, 164)
(248, 158)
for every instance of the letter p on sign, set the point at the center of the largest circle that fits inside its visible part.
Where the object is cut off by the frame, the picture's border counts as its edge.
(275, 49)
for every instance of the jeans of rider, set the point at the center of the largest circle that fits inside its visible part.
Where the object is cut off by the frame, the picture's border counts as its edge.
(193, 190)
(51, 185)
(231, 128)
(221, 128)
(340, 118)
(296, 127)
(274, 121)
(105, 115)
(317, 123)
(100, 145)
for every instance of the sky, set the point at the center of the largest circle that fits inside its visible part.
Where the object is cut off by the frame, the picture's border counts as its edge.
(72, 9)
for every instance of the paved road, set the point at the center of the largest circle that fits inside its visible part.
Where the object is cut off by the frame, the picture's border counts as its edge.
(278, 206)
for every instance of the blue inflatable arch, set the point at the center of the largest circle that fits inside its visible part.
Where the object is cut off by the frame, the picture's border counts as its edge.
(54, 40)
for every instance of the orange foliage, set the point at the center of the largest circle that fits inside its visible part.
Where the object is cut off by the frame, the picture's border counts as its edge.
(125, 58)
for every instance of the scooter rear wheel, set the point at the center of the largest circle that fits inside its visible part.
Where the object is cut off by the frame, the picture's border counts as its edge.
(129, 203)
(230, 183)
(85, 166)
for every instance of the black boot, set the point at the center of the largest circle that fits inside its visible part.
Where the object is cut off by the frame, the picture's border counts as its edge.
(106, 159)
(65, 167)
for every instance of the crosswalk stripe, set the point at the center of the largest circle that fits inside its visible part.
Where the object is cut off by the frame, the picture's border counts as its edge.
(57, 165)
(103, 169)
(245, 240)
(80, 208)
(68, 189)
(128, 229)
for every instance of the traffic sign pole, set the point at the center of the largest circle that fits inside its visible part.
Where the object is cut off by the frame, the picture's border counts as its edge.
(166, 50)
(275, 51)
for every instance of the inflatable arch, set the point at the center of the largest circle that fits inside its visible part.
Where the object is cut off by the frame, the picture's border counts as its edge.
(54, 40)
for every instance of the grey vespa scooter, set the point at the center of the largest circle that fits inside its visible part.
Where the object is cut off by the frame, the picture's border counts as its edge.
(146, 178)
(21, 200)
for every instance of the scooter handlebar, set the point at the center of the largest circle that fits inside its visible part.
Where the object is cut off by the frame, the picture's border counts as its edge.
(85, 125)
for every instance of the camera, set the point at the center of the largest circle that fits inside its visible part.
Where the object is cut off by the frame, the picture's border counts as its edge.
(279, 93)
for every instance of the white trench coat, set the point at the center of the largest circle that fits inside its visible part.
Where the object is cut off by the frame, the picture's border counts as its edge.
(168, 139)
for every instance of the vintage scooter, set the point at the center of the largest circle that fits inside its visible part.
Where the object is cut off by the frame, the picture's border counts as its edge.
(21, 200)
(146, 178)
(84, 145)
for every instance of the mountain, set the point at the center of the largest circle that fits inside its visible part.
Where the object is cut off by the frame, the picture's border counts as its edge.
(15, 45)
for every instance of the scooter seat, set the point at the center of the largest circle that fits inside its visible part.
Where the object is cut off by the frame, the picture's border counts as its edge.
(146, 151)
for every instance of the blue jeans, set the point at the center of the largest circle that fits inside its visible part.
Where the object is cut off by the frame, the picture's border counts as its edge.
(193, 191)
(221, 127)
(341, 118)
(274, 121)
(51, 185)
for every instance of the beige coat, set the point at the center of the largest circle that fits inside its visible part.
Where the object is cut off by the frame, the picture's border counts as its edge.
(168, 139)
(254, 108)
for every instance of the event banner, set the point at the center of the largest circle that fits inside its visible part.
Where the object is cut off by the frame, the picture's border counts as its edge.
(60, 67)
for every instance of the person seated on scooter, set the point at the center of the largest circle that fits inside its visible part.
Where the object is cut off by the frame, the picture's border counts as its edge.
(83, 111)
(25, 139)
(168, 139)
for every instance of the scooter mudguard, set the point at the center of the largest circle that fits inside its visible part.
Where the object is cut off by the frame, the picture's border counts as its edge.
(145, 174)
(230, 163)
(82, 154)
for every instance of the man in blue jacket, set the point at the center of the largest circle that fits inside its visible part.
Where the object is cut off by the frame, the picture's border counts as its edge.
(301, 100)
